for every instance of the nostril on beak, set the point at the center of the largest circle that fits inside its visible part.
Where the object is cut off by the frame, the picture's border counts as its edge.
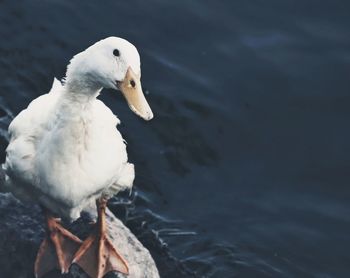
(132, 83)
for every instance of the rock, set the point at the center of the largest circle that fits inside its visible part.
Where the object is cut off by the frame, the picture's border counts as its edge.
(22, 230)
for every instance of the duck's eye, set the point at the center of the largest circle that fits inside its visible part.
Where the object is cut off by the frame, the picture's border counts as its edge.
(116, 52)
(132, 83)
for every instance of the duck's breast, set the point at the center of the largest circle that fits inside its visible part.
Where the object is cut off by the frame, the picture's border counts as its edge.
(83, 155)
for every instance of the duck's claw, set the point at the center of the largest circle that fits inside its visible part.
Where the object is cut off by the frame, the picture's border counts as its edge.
(46, 259)
(57, 249)
(97, 255)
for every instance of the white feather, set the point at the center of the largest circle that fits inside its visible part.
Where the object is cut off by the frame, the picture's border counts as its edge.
(65, 150)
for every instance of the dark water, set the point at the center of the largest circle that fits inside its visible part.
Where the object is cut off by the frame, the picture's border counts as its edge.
(244, 172)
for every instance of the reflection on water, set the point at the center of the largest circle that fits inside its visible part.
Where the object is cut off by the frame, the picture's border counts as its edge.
(244, 170)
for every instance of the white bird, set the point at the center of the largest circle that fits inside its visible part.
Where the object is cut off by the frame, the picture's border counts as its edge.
(65, 153)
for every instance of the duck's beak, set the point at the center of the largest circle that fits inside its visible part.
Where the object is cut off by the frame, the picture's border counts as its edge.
(132, 91)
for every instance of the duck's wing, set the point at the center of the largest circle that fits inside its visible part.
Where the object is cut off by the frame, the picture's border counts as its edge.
(104, 115)
(33, 117)
(125, 174)
(26, 129)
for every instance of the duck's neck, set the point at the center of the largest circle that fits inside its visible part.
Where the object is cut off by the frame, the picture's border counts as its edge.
(81, 91)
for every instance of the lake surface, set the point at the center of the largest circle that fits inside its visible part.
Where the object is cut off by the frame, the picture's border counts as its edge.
(244, 171)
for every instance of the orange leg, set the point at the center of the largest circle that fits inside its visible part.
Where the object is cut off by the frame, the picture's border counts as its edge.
(97, 255)
(57, 249)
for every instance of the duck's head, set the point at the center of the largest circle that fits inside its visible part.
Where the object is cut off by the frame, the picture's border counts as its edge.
(110, 63)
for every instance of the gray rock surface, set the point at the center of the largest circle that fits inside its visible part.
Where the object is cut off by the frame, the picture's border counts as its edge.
(22, 230)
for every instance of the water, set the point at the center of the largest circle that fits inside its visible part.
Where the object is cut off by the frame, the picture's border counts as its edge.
(244, 172)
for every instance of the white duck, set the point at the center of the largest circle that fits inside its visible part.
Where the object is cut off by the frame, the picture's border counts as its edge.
(65, 153)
